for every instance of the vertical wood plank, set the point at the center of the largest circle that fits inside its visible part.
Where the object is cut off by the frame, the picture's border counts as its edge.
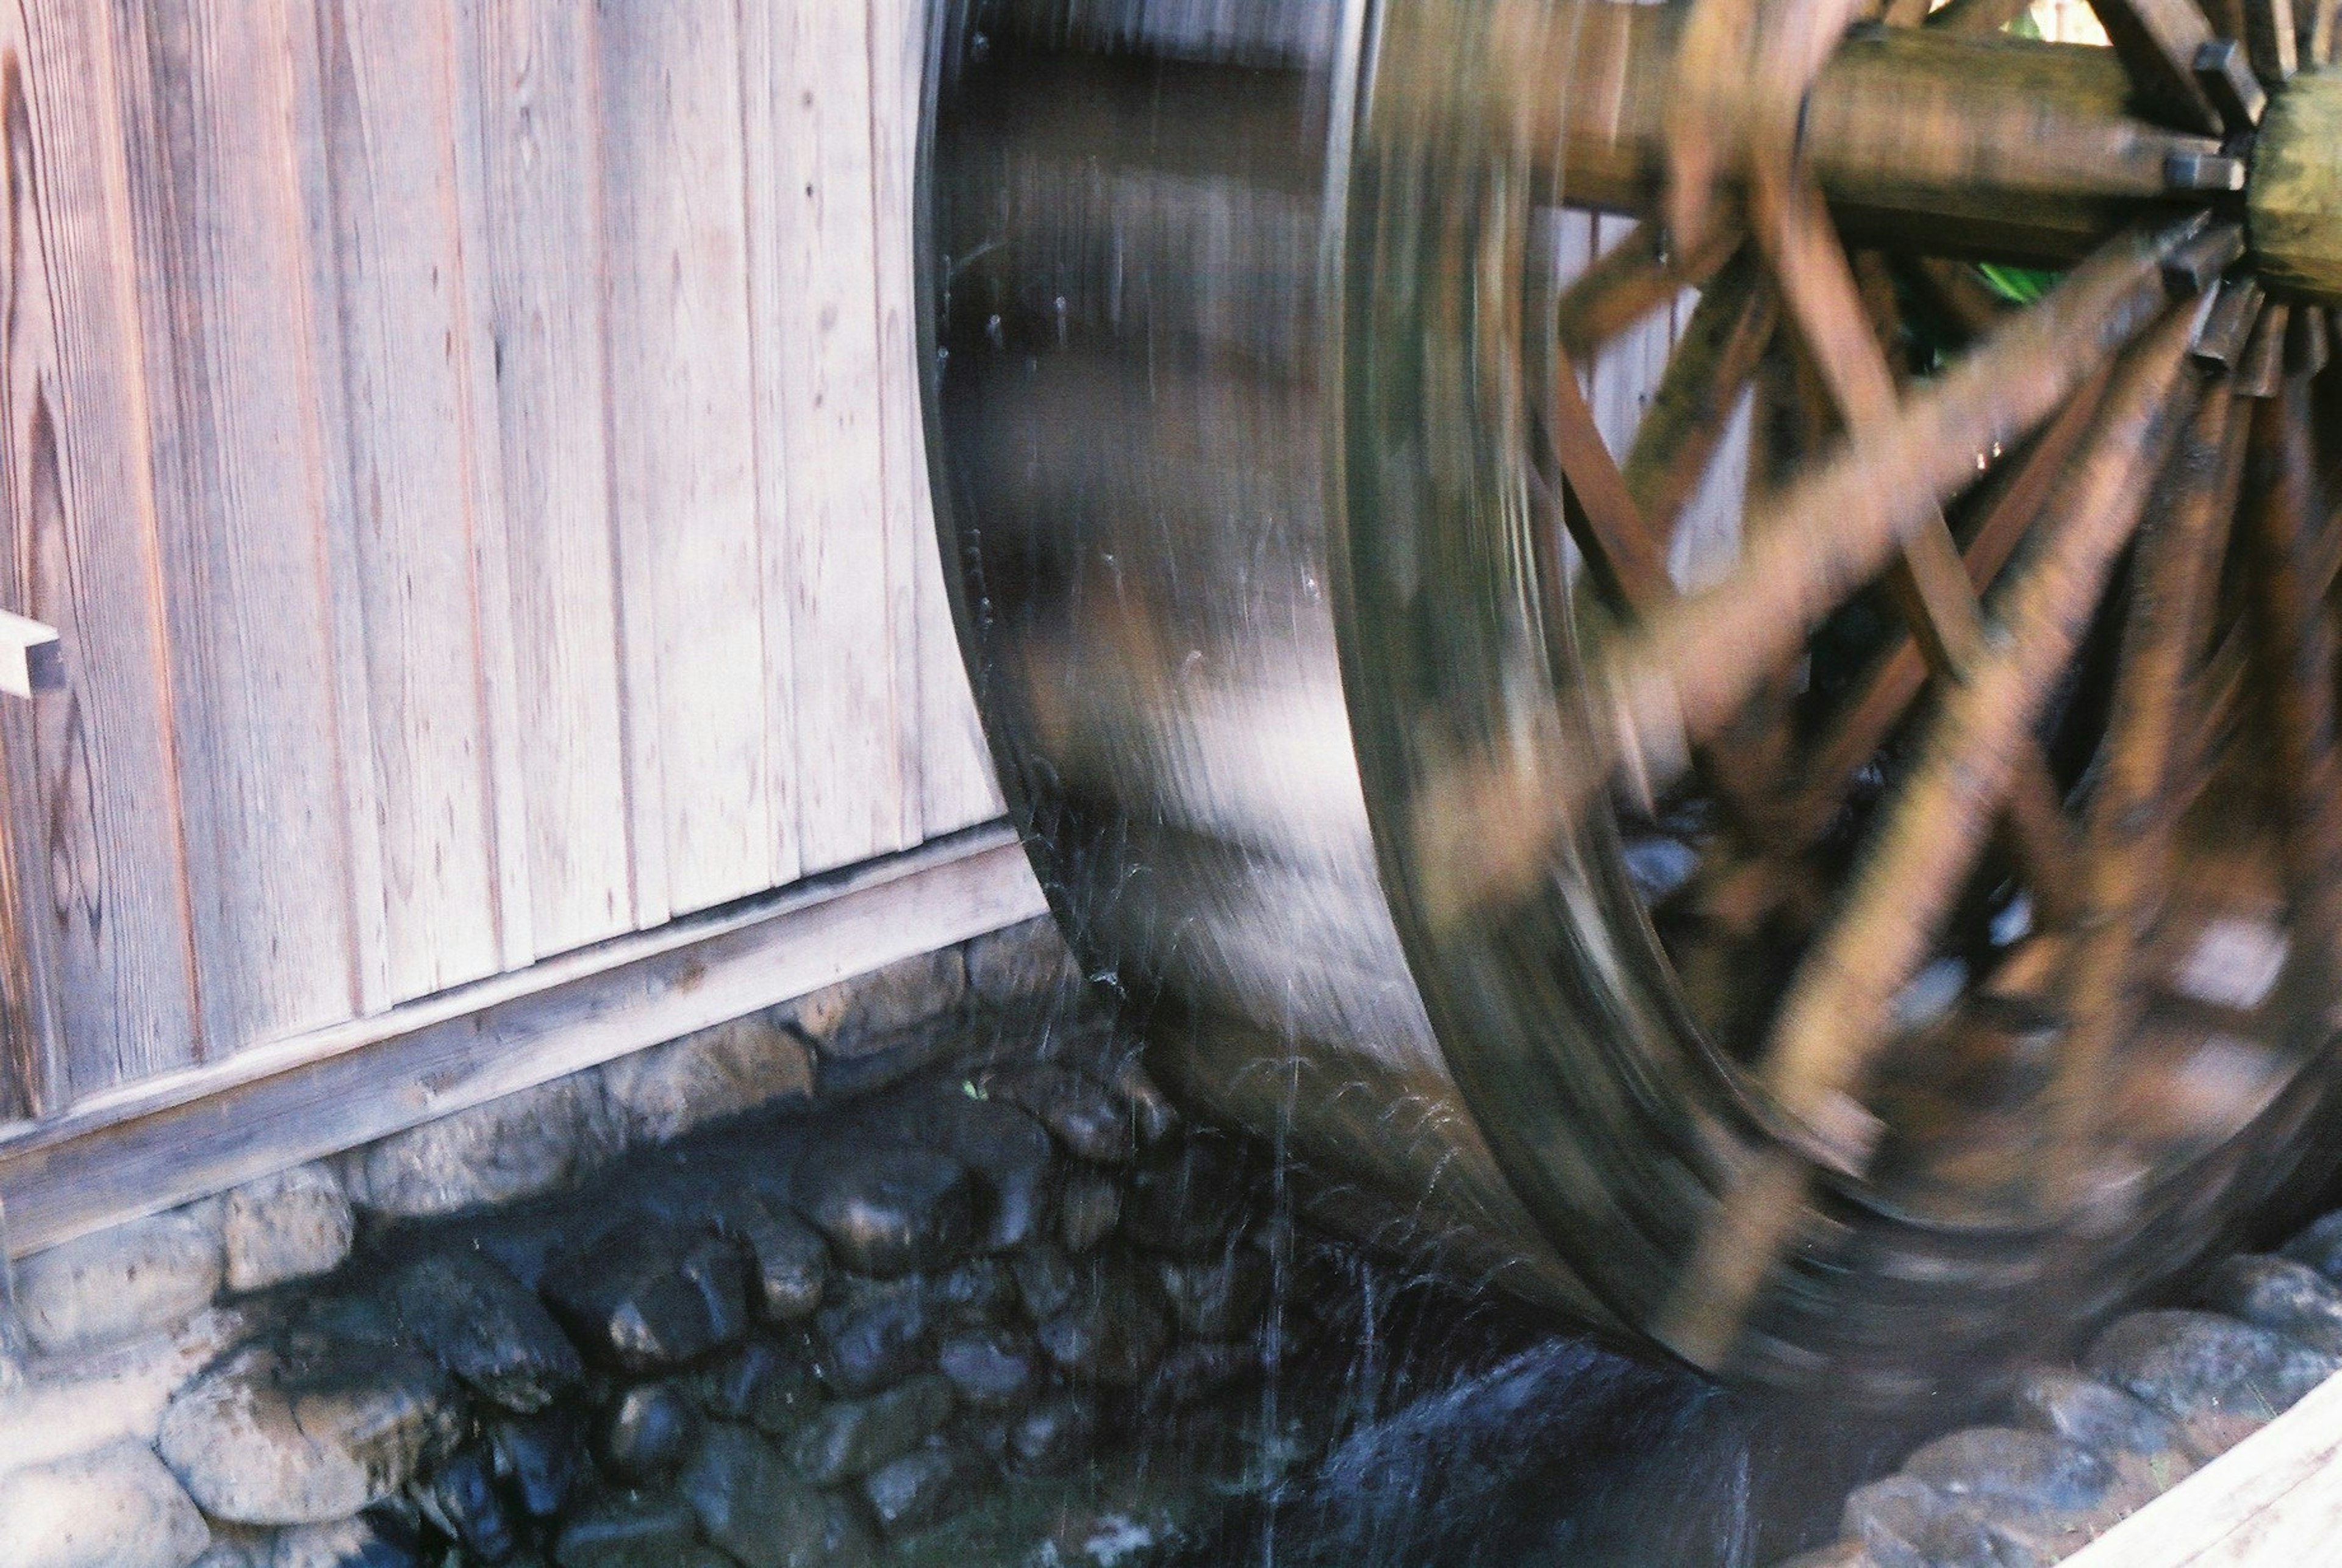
(209, 109)
(683, 443)
(102, 912)
(955, 783)
(812, 205)
(390, 281)
(529, 103)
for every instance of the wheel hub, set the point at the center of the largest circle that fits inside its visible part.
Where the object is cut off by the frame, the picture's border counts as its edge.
(2295, 194)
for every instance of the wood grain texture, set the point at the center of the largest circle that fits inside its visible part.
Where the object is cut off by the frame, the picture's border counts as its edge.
(683, 452)
(849, 577)
(209, 107)
(391, 284)
(529, 104)
(944, 741)
(105, 894)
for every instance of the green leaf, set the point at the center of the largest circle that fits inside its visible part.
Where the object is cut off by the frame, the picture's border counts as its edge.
(2017, 285)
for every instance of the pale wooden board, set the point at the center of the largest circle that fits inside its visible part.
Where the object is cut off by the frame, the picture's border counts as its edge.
(944, 742)
(107, 910)
(210, 109)
(528, 90)
(391, 282)
(683, 450)
(811, 200)
(172, 1142)
(2274, 1501)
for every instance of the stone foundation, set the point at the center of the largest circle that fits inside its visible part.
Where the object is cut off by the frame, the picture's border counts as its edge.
(793, 1289)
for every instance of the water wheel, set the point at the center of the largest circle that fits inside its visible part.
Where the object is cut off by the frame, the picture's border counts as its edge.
(1841, 881)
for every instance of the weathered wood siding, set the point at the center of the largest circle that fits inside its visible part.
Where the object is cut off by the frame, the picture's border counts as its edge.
(470, 447)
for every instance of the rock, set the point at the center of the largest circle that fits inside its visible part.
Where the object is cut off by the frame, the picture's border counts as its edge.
(642, 1297)
(516, 1147)
(854, 1437)
(2105, 1420)
(1904, 1523)
(542, 1456)
(663, 1093)
(288, 1226)
(752, 1507)
(1185, 1199)
(1053, 1436)
(2279, 1293)
(762, 1386)
(1151, 1114)
(1196, 1369)
(1022, 964)
(989, 1368)
(306, 1433)
(1223, 1298)
(876, 1334)
(1113, 1331)
(1999, 1464)
(116, 1508)
(979, 1291)
(649, 1433)
(888, 1209)
(70, 1405)
(789, 1265)
(361, 1542)
(1079, 1110)
(486, 1328)
(462, 1500)
(238, 1546)
(122, 1283)
(884, 1063)
(854, 1014)
(1047, 1281)
(2220, 1377)
(1008, 1150)
(1087, 1210)
(2320, 1246)
(630, 1532)
(920, 1488)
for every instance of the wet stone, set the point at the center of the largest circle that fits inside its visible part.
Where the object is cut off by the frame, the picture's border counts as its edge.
(1904, 1523)
(308, 1432)
(642, 1298)
(1182, 1199)
(1152, 1117)
(876, 1334)
(1005, 1147)
(2279, 1293)
(649, 1433)
(1087, 1212)
(750, 1505)
(1196, 1369)
(367, 1542)
(854, 1437)
(920, 1488)
(2200, 1367)
(2320, 1246)
(888, 1209)
(990, 1368)
(789, 1265)
(1054, 1436)
(979, 1291)
(629, 1531)
(463, 1499)
(1113, 1331)
(2097, 1417)
(486, 1328)
(1080, 1113)
(1047, 1281)
(541, 1457)
(2008, 1465)
(1217, 1300)
(762, 1386)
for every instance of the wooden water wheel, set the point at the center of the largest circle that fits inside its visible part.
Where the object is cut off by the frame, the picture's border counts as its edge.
(1843, 881)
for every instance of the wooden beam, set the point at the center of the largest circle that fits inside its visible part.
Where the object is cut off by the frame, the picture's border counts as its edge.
(169, 1141)
(32, 657)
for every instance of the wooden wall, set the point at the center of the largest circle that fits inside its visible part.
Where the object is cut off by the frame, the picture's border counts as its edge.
(470, 448)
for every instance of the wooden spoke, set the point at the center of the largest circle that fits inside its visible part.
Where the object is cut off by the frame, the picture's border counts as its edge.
(1619, 548)
(2226, 74)
(2321, 21)
(2271, 40)
(1692, 408)
(2127, 843)
(1628, 281)
(2262, 373)
(1835, 1016)
(1960, 294)
(2228, 329)
(2158, 41)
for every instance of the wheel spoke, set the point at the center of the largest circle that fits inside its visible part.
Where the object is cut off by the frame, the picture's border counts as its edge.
(1977, 16)
(2158, 42)
(1628, 281)
(2271, 40)
(1691, 410)
(1626, 558)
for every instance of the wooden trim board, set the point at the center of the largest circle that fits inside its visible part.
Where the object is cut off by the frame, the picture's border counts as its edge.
(2274, 1501)
(170, 1140)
